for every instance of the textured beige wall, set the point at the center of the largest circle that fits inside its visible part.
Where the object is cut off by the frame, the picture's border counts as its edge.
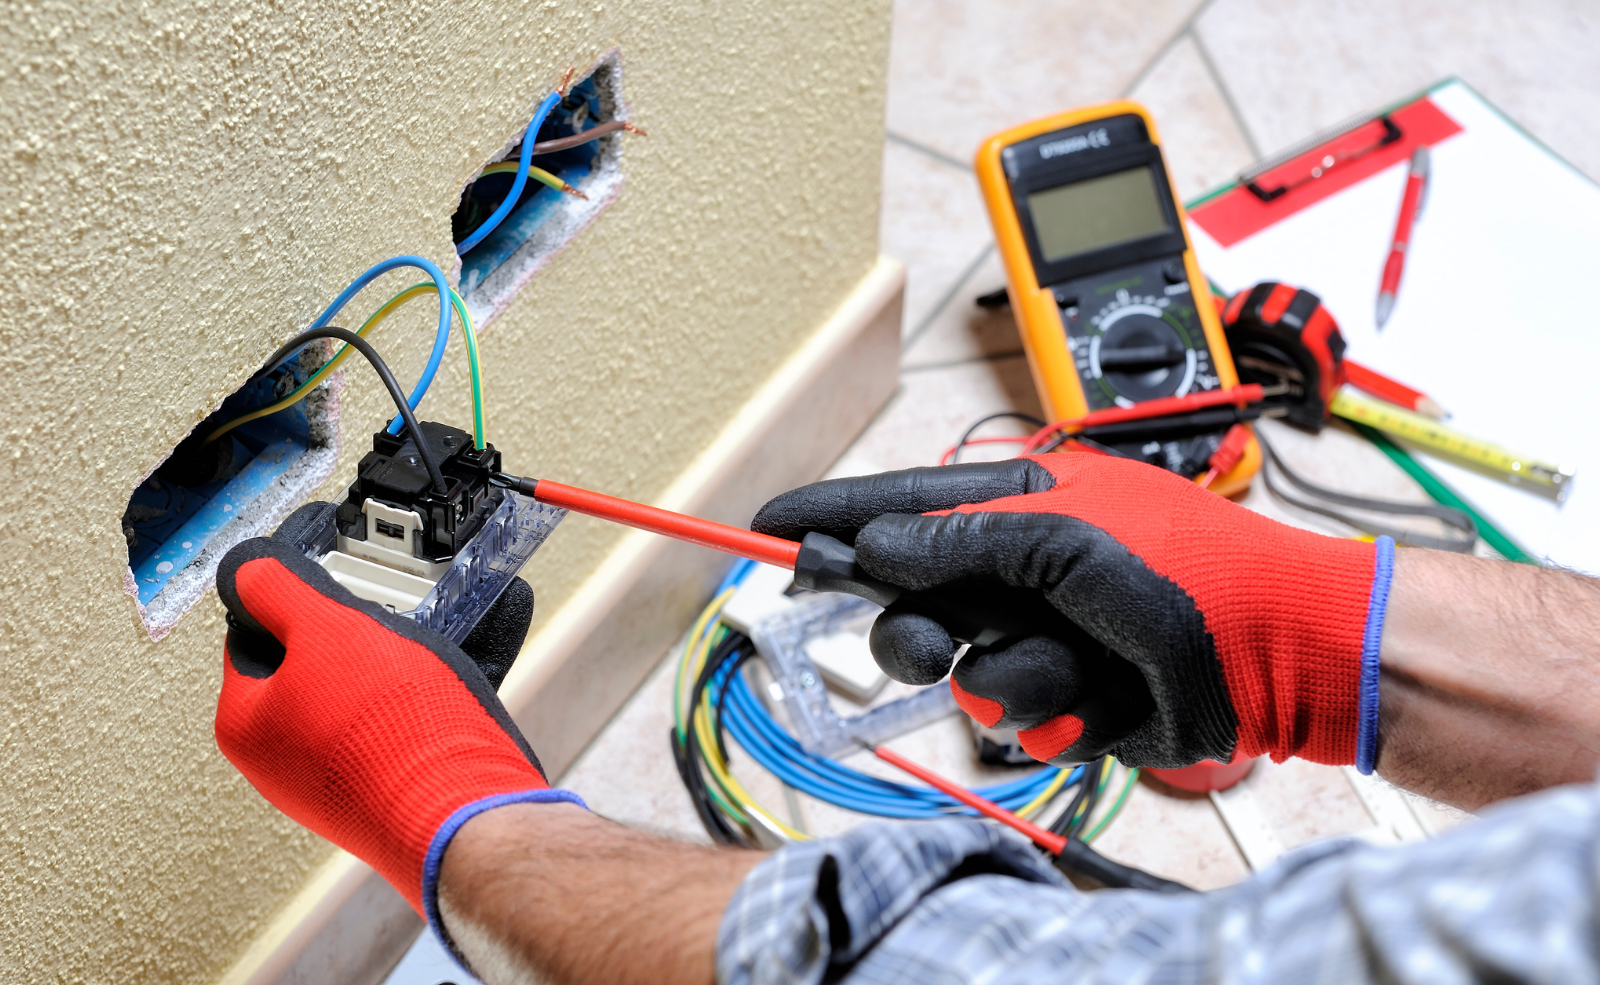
(185, 184)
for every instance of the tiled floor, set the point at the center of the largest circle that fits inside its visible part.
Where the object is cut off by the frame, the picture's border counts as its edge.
(1228, 81)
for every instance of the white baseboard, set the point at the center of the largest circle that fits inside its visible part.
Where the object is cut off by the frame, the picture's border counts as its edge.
(348, 925)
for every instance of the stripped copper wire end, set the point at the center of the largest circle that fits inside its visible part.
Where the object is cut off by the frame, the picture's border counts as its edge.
(571, 190)
(633, 129)
(566, 80)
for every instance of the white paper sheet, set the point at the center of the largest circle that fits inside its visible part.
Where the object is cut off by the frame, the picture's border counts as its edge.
(1493, 318)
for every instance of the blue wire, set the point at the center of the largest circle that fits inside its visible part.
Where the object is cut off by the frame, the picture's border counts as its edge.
(775, 750)
(888, 799)
(735, 576)
(523, 163)
(434, 358)
(770, 738)
(778, 752)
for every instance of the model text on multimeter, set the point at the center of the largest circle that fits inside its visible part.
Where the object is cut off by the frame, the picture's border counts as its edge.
(1108, 297)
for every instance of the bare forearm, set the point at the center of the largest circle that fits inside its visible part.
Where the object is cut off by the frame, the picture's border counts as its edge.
(536, 892)
(1491, 675)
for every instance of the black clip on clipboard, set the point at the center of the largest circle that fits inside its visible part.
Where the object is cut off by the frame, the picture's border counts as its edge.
(1250, 178)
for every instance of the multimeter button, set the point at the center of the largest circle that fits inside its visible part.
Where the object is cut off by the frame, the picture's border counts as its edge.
(1065, 300)
(1172, 270)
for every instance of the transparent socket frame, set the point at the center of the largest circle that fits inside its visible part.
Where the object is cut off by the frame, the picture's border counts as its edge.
(481, 570)
(820, 730)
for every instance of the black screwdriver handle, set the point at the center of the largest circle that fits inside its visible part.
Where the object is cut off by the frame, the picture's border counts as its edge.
(976, 615)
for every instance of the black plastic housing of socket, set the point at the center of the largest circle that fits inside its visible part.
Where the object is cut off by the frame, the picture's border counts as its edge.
(393, 474)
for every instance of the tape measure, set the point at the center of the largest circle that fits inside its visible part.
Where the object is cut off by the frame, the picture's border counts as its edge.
(1106, 291)
(1550, 481)
(1283, 336)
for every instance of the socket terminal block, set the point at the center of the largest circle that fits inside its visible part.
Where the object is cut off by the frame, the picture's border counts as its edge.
(439, 560)
(394, 516)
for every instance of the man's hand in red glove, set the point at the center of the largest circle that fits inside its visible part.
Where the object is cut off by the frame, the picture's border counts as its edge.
(377, 734)
(1249, 635)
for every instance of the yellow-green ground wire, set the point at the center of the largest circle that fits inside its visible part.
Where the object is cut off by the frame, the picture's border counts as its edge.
(537, 174)
(372, 322)
(1116, 808)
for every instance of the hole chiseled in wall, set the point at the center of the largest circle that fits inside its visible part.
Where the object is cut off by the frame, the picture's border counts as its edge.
(545, 220)
(208, 496)
(205, 497)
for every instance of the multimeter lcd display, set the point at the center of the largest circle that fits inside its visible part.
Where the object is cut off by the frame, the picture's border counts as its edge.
(1087, 215)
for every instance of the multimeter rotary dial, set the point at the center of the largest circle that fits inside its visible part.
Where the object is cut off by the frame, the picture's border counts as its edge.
(1139, 347)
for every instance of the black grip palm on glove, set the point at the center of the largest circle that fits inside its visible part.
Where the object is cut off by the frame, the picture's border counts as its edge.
(1011, 633)
(1130, 611)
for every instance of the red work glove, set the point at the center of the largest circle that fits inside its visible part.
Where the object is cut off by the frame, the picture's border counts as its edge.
(1248, 634)
(377, 734)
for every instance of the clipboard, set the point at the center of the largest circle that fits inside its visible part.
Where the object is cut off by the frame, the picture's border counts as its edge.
(1492, 318)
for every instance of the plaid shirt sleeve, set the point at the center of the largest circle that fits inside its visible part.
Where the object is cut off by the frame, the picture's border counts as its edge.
(1509, 898)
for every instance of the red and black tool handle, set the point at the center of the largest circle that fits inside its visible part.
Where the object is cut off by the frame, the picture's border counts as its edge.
(820, 563)
(981, 615)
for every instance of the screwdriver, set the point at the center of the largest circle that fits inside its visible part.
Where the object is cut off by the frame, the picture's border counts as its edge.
(825, 564)
(820, 563)
(981, 615)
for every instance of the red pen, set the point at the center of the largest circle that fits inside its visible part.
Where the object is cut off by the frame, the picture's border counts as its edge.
(1410, 208)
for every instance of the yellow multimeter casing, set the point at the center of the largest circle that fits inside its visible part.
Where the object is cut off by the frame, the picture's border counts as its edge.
(1106, 291)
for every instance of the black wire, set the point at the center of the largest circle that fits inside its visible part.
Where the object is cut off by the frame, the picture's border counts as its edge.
(715, 824)
(694, 781)
(1059, 825)
(744, 654)
(1079, 858)
(364, 347)
(1091, 801)
(994, 299)
(1088, 795)
(1447, 515)
(955, 454)
(1094, 445)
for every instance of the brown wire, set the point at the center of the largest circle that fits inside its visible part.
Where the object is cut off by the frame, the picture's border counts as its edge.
(578, 139)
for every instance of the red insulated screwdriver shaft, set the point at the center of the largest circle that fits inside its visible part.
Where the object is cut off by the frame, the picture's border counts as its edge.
(706, 533)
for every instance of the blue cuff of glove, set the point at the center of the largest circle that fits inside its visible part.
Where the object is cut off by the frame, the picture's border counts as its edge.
(1371, 643)
(447, 831)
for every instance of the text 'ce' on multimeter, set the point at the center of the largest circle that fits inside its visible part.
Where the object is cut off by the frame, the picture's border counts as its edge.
(1107, 294)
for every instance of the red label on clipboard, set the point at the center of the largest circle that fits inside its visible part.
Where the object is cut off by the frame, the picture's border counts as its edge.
(1239, 213)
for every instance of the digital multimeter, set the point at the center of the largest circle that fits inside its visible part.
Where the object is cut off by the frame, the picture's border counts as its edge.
(1107, 294)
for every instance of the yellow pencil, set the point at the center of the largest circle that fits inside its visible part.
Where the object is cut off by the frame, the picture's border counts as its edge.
(1551, 481)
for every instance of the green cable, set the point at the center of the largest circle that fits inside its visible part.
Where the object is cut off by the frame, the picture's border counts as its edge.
(719, 630)
(1443, 494)
(471, 335)
(1127, 788)
(677, 679)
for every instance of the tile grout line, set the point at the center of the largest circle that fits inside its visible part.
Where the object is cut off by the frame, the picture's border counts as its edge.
(991, 357)
(937, 155)
(944, 302)
(1227, 96)
(1166, 49)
